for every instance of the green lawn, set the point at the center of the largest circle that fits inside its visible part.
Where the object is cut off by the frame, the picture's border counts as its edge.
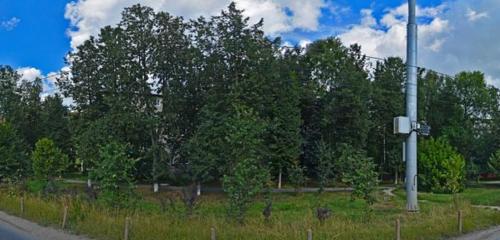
(292, 216)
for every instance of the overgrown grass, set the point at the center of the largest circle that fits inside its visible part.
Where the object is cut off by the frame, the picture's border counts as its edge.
(292, 216)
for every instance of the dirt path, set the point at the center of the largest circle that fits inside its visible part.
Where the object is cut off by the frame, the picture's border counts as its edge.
(15, 228)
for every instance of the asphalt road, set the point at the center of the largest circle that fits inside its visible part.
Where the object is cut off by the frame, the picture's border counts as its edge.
(15, 228)
(488, 234)
(9, 232)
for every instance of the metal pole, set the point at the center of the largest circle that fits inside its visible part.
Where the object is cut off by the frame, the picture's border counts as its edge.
(411, 109)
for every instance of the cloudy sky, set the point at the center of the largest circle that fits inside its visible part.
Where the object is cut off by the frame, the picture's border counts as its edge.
(454, 35)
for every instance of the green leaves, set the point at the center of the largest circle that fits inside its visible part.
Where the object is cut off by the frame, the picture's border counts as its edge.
(115, 174)
(494, 162)
(356, 169)
(48, 160)
(13, 158)
(440, 168)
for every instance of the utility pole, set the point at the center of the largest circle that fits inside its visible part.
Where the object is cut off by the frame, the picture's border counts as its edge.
(411, 109)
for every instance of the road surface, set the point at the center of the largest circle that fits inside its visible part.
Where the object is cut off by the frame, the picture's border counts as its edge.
(489, 234)
(14, 228)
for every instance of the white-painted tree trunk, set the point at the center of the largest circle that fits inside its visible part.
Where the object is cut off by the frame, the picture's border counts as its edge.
(89, 183)
(279, 179)
(156, 187)
(198, 189)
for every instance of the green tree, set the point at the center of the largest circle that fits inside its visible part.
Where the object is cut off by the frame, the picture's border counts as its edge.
(55, 122)
(356, 169)
(115, 175)
(13, 158)
(441, 169)
(386, 103)
(49, 161)
(344, 90)
(326, 165)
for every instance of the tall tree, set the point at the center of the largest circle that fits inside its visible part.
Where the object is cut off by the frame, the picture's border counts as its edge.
(387, 103)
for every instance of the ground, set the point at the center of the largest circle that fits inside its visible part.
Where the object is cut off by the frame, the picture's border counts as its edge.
(292, 215)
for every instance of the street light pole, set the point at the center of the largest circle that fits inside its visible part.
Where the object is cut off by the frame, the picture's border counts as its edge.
(411, 109)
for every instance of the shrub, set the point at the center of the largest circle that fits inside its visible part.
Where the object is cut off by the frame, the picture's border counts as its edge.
(48, 160)
(441, 168)
(114, 174)
(13, 159)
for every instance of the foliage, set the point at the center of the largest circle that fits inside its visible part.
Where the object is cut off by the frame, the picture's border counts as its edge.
(48, 160)
(494, 162)
(114, 174)
(13, 158)
(359, 171)
(245, 171)
(296, 175)
(441, 169)
(326, 165)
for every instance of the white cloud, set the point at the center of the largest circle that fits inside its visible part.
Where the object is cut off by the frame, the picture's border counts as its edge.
(29, 73)
(49, 86)
(451, 37)
(304, 42)
(474, 16)
(88, 16)
(10, 24)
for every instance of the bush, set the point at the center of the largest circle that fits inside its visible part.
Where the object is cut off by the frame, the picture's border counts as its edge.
(13, 159)
(441, 168)
(115, 175)
(48, 160)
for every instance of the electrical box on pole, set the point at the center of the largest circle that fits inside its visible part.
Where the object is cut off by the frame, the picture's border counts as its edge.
(402, 125)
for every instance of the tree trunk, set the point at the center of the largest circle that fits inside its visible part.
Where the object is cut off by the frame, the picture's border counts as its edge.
(396, 173)
(156, 187)
(89, 183)
(198, 189)
(279, 179)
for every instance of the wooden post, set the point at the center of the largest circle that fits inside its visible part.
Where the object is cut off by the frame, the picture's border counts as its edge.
(127, 225)
(398, 229)
(65, 216)
(22, 205)
(309, 234)
(460, 221)
(212, 234)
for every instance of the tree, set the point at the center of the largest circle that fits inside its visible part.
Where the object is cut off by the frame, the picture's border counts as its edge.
(114, 173)
(441, 169)
(326, 165)
(344, 91)
(14, 164)
(55, 122)
(48, 160)
(359, 171)
(387, 103)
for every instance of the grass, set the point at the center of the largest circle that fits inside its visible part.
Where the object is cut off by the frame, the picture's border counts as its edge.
(292, 216)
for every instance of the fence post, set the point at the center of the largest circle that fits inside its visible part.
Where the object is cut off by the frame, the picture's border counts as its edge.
(460, 221)
(309, 234)
(65, 216)
(213, 236)
(127, 225)
(22, 205)
(398, 229)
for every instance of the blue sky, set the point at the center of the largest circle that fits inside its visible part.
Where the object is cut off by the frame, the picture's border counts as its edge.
(37, 34)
